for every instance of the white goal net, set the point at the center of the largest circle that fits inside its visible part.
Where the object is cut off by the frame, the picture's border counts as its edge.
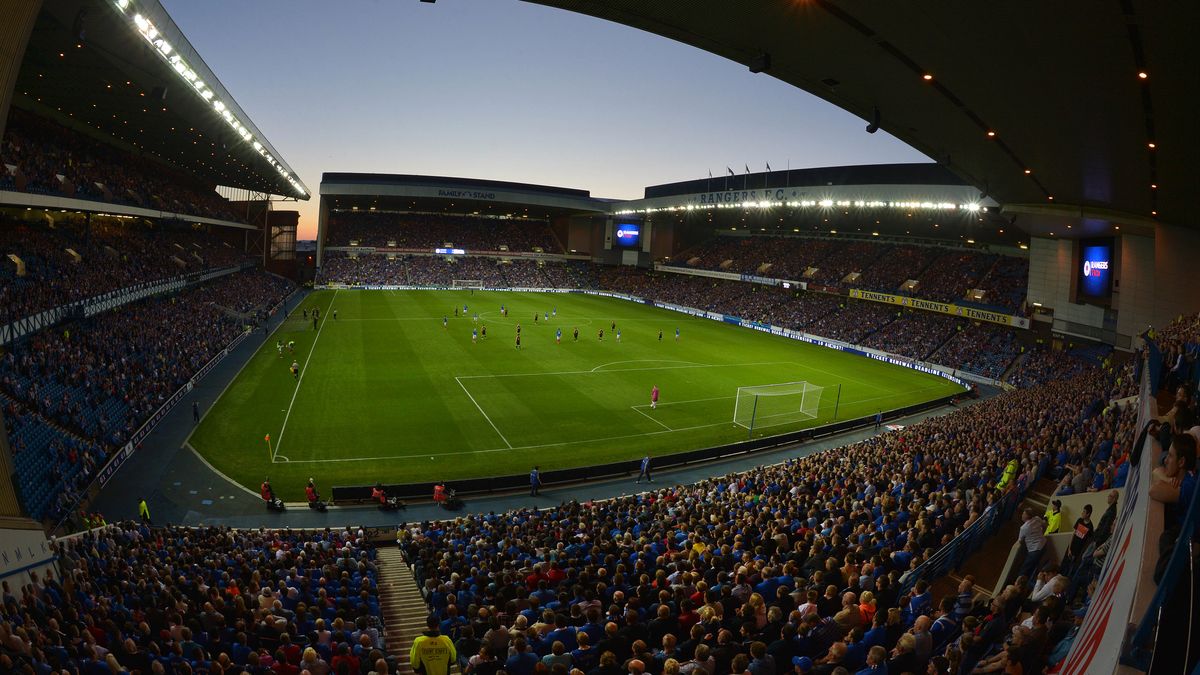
(771, 405)
(467, 283)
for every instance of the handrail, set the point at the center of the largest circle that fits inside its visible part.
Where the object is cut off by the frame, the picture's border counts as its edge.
(22, 326)
(1137, 655)
(952, 555)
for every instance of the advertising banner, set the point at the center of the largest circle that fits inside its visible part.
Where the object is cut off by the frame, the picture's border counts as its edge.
(941, 307)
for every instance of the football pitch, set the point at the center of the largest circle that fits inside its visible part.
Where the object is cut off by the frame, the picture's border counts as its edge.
(386, 393)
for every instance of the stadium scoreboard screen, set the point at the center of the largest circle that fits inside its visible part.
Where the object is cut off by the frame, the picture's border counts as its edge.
(628, 235)
(1095, 270)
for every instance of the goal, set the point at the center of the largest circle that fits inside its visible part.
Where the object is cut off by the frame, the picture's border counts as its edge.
(467, 283)
(771, 405)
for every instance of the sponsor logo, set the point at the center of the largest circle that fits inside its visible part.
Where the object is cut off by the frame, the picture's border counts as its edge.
(1093, 268)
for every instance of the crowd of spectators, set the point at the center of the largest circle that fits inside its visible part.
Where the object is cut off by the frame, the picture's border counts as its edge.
(1006, 283)
(944, 275)
(851, 256)
(901, 263)
(428, 231)
(952, 274)
(98, 380)
(142, 600)
(251, 295)
(438, 271)
(1041, 365)
(986, 349)
(1179, 343)
(50, 158)
(915, 334)
(788, 257)
(781, 569)
(111, 257)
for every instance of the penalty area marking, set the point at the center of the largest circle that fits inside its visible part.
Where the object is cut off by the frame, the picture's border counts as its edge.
(481, 412)
(647, 416)
(614, 363)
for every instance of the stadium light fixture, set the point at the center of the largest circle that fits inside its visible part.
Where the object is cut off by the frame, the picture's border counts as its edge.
(179, 64)
(1142, 75)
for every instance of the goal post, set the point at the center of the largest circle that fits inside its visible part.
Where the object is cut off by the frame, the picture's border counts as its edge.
(467, 283)
(771, 405)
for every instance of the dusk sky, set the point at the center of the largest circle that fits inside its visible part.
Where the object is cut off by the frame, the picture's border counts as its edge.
(506, 90)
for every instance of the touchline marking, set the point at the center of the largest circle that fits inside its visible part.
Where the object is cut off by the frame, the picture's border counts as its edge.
(303, 372)
(216, 471)
(481, 412)
(614, 363)
(625, 370)
(643, 414)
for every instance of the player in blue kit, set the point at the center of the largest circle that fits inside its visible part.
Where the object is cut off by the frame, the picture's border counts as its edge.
(558, 336)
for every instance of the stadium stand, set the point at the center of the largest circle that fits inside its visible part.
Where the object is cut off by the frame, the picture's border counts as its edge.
(135, 599)
(983, 348)
(111, 257)
(438, 271)
(914, 334)
(76, 392)
(51, 159)
(428, 231)
(945, 275)
(1043, 365)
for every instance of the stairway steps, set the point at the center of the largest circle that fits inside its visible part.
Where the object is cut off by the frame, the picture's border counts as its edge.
(404, 609)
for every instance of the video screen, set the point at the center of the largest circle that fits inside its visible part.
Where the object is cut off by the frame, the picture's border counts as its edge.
(1095, 269)
(629, 235)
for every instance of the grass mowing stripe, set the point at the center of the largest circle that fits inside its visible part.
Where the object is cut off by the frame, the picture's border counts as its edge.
(300, 380)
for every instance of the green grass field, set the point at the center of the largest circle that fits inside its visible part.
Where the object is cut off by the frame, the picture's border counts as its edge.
(386, 393)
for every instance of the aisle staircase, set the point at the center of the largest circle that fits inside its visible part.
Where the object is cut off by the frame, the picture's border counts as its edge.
(988, 563)
(404, 610)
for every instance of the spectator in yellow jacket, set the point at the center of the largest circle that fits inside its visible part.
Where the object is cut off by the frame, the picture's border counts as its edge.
(432, 653)
(1054, 517)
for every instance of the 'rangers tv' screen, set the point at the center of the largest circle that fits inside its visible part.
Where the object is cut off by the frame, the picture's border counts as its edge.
(1095, 270)
(629, 235)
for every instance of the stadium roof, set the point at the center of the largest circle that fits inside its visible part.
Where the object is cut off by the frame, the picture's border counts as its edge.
(1050, 108)
(868, 174)
(123, 69)
(403, 192)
